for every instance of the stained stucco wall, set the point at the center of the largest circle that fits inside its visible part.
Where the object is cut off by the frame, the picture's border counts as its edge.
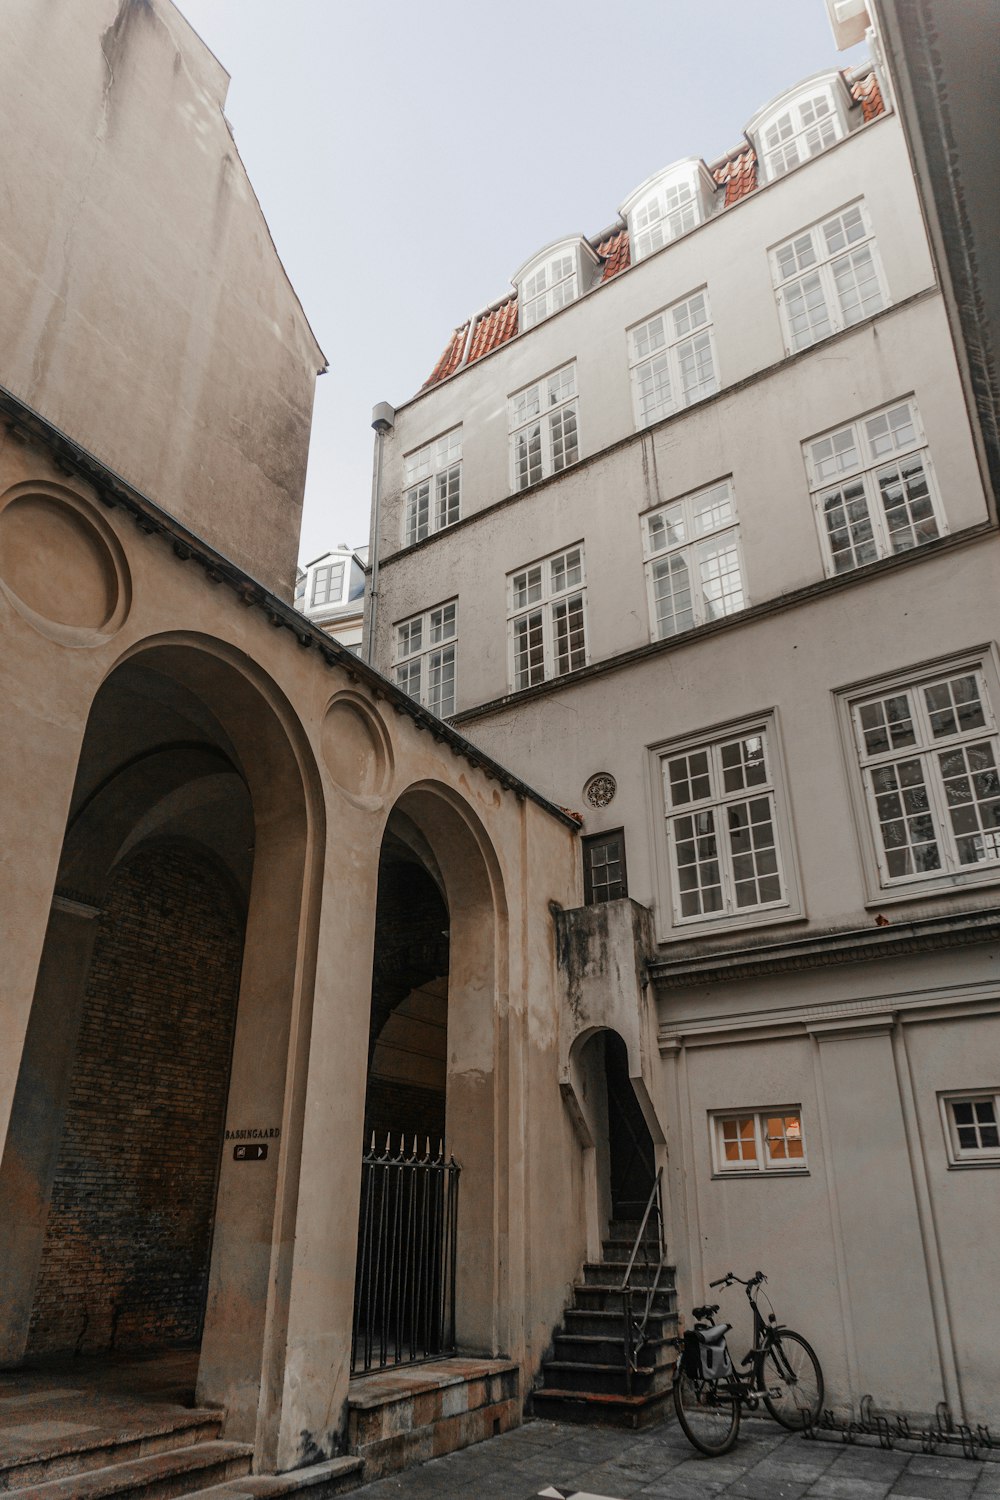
(143, 307)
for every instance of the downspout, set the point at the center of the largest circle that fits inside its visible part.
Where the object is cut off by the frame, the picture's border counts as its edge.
(383, 420)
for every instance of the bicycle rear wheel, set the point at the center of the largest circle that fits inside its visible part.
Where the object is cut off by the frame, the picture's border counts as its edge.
(708, 1412)
(792, 1380)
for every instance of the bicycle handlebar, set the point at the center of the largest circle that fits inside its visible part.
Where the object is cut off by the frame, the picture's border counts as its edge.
(730, 1277)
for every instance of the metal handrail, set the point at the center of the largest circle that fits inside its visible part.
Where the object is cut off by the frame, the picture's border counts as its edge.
(635, 1328)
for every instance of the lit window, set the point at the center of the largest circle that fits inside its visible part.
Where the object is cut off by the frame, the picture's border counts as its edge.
(929, 756)
(327, 584)
(547, 619)
(722, 831)
(544, 428)
(798, 129)
(763, 1140)
(432, 481)
(873, 488)
(827, 278)
(666, 207)
(694, 572)
(424, 658)
(972, 1127)
(604, 876)
(672, 359)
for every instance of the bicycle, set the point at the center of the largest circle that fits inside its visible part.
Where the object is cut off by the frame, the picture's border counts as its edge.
(709, 1392)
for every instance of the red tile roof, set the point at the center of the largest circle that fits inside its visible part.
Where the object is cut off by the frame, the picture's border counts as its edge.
(868, 94)
(493, 328)
(615, 252)
(450, 359)
(738, 174)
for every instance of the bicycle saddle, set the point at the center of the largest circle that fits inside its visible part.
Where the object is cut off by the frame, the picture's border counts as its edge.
(708, 1311)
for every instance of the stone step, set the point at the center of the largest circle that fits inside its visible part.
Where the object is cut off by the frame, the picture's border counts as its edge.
(605, 1379)
(134, 1437)
(594, 1408)
(612, 1273)
(584, 1348)
(610, 1299)
(158, 1476)
(337, 1476)
(621, 1249)
(601, 1323)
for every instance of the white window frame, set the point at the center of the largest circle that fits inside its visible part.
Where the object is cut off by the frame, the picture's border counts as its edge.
(968, 1156)
(926, 785)
(432, 487)
(798, 127)
(544, 424)
(817, 277)
(684, 539)
(324, 572)
(551, 280)
(666, 206)
(847, 468)
(424, 646)
(762, 1164)
(673, 921)
(539, 598)
(665, 352)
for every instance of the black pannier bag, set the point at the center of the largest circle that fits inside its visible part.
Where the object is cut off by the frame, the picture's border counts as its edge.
(705, 1355)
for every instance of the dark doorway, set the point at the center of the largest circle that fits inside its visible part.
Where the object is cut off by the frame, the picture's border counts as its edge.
(630, 1145)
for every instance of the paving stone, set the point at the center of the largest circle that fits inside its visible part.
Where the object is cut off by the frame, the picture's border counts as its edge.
(837, 1486)
(933, 1486)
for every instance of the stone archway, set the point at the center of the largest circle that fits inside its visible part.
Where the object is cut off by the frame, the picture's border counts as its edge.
(194, 793)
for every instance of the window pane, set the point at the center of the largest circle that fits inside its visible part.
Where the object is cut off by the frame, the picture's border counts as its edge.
(905, 822)
(848, 527)
(698, 871)
(688, 778)
(752, 845)
(721, 581)
(906, 500)
(604, 868)
(672, 596)
(972, 791)
(529, 655)
(567, 619)
(806, 311)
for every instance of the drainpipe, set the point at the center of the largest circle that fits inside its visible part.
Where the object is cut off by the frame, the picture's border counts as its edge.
(383, 421)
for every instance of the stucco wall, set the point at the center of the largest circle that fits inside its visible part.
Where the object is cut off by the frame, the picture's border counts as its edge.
(143, 307)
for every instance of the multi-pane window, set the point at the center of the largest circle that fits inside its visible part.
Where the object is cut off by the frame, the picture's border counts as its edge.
(327, 584)
(801, 130)
(548, 289)
(544, 428)
(694, 572)
(930, 760)
(873, 488)
(827, 278)
(669, 210)
(604, 877)
(432, 480)
(424, 658)
(972, 1122)
(547, 625)
(763, 1140)
(672, 359)
(722, 828)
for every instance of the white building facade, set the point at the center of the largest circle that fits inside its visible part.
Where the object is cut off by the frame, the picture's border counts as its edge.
(693, 531)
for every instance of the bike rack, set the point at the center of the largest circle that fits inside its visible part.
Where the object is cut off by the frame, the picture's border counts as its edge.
(894, 1429)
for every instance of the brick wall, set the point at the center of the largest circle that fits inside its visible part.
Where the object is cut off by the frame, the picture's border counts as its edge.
(128, 1236)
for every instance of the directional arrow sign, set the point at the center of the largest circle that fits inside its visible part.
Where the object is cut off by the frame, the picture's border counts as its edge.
(250, 1153)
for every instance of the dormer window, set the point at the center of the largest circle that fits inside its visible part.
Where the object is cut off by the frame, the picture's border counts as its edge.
(552, 279)
(667, 206)
(799, 126)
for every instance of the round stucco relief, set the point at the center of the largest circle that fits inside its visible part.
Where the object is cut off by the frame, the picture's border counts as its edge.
(355, 749)
(600, 789)
(61, 568)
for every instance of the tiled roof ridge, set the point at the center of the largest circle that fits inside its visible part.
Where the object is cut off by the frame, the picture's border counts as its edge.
(735, 170)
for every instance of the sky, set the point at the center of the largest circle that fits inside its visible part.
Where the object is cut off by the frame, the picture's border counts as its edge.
(409, 155)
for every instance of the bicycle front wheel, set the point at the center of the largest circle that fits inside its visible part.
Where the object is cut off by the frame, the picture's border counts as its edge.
(792, 1381)
(708, 1412)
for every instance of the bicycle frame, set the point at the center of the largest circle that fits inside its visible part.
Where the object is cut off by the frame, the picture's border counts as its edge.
(745, 1388)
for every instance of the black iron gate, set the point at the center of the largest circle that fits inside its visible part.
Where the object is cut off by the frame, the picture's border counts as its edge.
(404, 1290)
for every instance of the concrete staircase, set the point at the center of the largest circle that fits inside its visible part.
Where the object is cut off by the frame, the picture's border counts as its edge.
(586, 1379)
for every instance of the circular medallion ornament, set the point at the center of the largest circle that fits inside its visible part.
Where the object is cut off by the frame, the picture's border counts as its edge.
(600, 789)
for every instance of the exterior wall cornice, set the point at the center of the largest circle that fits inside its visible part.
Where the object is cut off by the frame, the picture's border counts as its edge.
(24, 425)
(819, 950)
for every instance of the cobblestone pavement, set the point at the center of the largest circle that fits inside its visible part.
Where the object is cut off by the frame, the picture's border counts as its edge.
(766, 1464)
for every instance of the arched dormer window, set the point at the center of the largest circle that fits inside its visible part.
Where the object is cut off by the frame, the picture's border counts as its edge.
(799, 124)
(668, 205)
(552, 278)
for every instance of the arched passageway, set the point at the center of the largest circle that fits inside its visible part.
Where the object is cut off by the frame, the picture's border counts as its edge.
(625, 1158)
(159, 1036)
